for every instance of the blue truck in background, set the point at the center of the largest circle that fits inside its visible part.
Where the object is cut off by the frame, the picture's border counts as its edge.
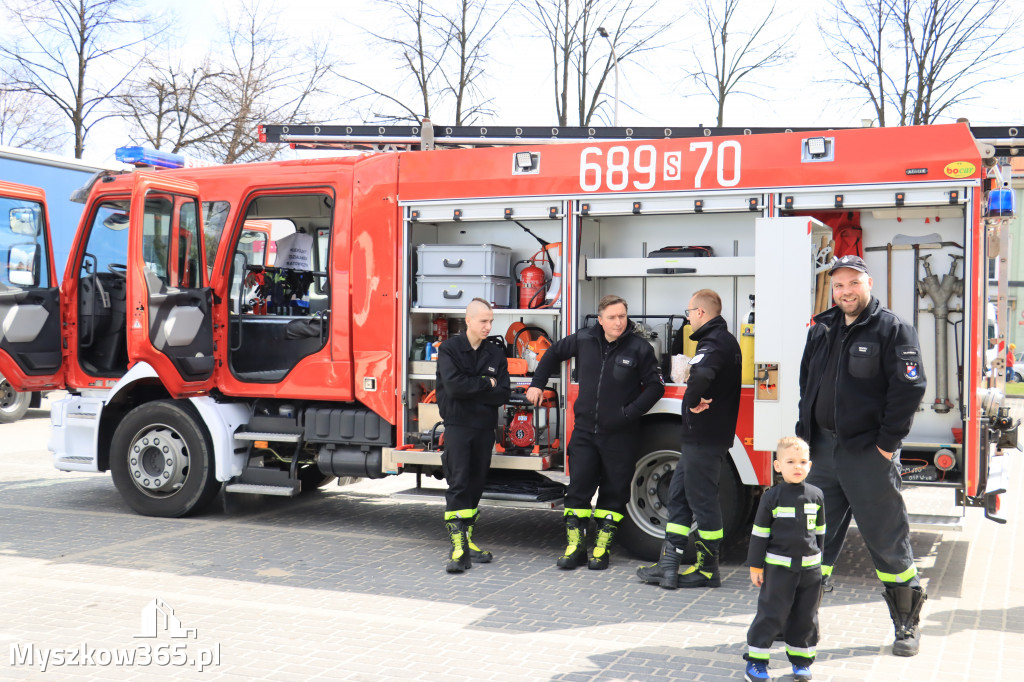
(58, 177)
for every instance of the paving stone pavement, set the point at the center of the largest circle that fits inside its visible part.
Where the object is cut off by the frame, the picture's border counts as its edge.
(348, 584)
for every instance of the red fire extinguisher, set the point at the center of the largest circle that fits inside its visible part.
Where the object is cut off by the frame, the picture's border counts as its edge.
(441, 328)
(531, 285)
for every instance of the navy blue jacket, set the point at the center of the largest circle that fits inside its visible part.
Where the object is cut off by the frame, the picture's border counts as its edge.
(879, 382)
(464, 393)
(619, 381)
(716, 374)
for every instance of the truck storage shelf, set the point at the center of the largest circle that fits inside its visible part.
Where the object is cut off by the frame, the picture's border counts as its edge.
(929, 445)
(733, 266)
(515, 378)
(498, 461)
(497, 311)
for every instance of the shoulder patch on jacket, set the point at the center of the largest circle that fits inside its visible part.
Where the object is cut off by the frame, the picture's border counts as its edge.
(908, 359)
(696, 358)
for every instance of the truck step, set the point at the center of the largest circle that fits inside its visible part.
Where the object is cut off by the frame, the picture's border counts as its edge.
(936, 522)
(501, 500)
(257, 489)
(274, 437)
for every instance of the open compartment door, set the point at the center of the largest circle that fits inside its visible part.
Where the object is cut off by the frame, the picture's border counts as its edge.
(789, 253)
(31, 357)
(169, 300)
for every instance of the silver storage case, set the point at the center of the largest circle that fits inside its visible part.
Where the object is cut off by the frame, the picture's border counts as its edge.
(457, 292)
(461, 260)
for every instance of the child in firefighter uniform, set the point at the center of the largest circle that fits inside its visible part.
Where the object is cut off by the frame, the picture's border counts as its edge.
(785, 562)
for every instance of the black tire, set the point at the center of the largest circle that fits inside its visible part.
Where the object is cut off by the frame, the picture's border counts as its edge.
(1016, 377)
(643, 529)
(13, 404)
(161, 460)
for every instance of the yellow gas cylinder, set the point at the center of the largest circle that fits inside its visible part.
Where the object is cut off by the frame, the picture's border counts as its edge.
(747, 351)
(689, 345)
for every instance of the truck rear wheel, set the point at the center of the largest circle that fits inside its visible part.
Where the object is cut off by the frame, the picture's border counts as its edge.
(161, 461)
(643, 529)
(13, 404)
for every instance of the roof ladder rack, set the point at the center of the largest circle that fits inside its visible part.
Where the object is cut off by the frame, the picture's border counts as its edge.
(381, 138)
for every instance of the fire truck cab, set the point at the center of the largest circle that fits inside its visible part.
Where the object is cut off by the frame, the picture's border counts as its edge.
(194, 360)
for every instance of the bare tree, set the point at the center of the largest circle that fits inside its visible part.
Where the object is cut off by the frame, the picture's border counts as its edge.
(29, 121)
(165, 102)
(469, 30)
(571, 26)
(214, 109)
(913, 60)
(736, 55)
(76, 54)
(442, 56)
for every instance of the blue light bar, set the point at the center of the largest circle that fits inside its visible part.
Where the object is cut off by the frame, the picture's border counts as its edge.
(140, 156)
(1000, 203)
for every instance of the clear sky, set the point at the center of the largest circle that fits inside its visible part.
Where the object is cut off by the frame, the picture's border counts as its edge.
(657, 90)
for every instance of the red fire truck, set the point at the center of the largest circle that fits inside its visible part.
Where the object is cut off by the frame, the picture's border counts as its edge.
(193, 362)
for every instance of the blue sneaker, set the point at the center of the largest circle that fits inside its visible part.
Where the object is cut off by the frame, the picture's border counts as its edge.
(801, 673)
(756, 671)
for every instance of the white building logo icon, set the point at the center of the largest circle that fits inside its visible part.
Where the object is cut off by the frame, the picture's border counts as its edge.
(158, 615)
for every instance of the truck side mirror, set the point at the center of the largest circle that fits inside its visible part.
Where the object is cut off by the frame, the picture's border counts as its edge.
(24, 220)
(22, 265)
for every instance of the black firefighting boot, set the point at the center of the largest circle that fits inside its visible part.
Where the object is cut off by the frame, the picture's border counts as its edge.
(479, 556)
(905, 604)
(606, 529)
(459, 560)
(666, 571)
(703, 573)
(575, 537)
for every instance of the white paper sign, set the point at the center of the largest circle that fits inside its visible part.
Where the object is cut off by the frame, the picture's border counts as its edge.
(295, 252)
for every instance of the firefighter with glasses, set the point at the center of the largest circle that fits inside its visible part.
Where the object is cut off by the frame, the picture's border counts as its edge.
(711, 407)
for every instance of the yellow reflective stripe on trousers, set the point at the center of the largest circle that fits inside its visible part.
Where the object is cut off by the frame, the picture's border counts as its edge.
(800, 651)
(897, 577)
(677, 529)
(578, 513)
(604, 513)
(758, 654)
(711, 534)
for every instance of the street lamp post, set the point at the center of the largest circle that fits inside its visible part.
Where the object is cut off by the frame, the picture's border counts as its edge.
(615, 61)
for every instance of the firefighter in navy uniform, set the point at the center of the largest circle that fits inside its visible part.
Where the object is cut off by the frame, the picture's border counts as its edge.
(711, 408)
(472, 383)
(861, 382)
(785, 562)
(620, 380)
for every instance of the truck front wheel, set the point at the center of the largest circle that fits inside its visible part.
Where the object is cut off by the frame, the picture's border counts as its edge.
(161, 461)
(643, 529)
(13, 404)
